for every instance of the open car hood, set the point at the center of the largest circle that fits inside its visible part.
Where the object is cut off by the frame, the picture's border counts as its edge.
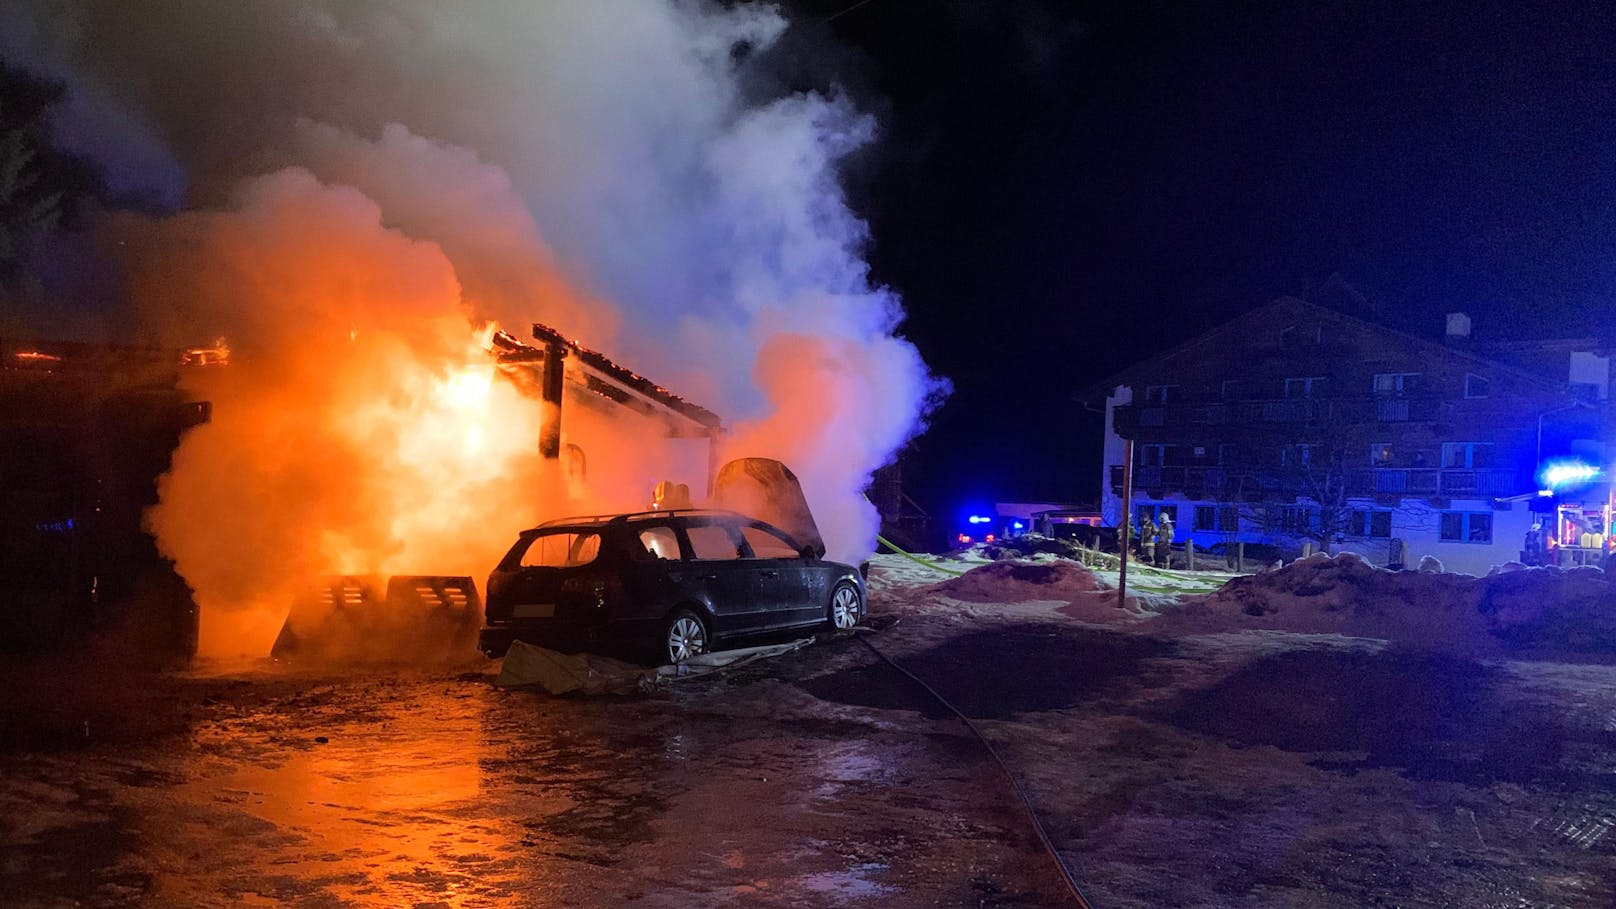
(766, 489)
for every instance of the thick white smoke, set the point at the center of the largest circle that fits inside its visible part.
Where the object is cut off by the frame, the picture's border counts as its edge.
(604, 157)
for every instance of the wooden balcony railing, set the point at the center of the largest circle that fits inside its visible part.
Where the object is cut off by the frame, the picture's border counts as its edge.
(1216, 482)
(1364, 410)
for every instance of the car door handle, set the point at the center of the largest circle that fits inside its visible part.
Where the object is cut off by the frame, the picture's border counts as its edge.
(771, 574)
(706, 577)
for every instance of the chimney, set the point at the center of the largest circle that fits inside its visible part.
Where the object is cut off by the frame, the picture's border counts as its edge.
(1458, 329)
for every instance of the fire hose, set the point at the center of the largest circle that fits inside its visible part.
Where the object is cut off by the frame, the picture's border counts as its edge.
(916, 559)
(1021, 792)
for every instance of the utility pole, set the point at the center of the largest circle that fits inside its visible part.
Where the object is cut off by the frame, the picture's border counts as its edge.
(1127, 514)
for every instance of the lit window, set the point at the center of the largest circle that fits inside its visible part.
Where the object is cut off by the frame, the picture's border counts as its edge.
(1381, 455)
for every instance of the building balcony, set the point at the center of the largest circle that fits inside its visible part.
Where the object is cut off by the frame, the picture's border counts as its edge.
(1477, 483)
(1365, 410)
(1216, 482)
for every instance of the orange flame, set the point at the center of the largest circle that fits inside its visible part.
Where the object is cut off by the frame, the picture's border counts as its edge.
(217, 355)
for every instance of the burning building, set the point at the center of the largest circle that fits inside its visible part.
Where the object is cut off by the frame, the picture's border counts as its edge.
(88, 429)
(588, 403)
(85, 430)
(566, 376)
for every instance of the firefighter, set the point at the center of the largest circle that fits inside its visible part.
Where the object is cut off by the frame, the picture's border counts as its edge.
(1532, 548)
(1147, 536)
(1164, 541)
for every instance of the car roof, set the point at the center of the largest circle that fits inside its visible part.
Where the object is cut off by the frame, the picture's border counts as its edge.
(595, 520)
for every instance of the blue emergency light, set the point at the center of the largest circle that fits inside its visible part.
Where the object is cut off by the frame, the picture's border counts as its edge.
(980, 519)
(1565, 473)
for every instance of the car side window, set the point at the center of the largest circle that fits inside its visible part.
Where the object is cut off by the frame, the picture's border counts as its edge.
(561, 550)
(767, 544)
(660, 542)
(713, 542)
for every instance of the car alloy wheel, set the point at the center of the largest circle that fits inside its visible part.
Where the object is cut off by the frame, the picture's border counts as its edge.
(844, 607)
(686, 637)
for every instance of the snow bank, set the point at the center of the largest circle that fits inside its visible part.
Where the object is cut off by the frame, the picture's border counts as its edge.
(1529, 610)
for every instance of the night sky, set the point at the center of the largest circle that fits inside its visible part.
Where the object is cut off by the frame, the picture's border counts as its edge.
(1062, 189)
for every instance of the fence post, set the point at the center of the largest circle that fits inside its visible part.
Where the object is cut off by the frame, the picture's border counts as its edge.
(1122, 533)
(1189, 553)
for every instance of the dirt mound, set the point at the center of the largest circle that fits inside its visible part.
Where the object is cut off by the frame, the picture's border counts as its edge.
(1531, 610)
(1019, 582)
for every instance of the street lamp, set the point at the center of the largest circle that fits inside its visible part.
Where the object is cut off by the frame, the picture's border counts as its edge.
(1571, 406)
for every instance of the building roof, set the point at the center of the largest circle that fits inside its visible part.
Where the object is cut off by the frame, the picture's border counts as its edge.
(605, 377)
(1288, 308)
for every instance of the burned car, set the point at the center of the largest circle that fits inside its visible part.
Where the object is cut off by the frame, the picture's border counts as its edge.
(663, 585)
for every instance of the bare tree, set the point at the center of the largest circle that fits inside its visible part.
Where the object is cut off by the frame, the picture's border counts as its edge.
(26, 209)
(1312, 487)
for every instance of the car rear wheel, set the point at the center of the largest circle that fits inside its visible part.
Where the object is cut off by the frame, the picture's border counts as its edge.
(684, 636)
(844, 606)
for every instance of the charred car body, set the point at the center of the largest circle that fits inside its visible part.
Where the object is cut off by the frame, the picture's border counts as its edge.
(662, 584)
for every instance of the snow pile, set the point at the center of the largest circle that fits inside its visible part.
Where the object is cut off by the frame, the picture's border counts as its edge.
(1543, 610)
(1019, 582)
(1570, 611)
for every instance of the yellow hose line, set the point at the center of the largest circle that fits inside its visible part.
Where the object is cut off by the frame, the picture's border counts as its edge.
(916, 559)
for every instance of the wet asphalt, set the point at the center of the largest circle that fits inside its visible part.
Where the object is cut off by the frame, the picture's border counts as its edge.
(390, 788)
(1223, 770)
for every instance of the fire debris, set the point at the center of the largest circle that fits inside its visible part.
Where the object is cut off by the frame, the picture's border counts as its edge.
(607, 379)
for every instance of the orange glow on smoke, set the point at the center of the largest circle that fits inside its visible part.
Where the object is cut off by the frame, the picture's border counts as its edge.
(363, 427)
(372, 456)
(35, 356)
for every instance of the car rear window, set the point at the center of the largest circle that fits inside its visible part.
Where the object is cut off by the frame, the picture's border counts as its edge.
(712, 542)
(566, 549)
(767, 545)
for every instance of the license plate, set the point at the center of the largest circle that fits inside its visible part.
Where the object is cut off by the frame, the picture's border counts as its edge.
(533, 611)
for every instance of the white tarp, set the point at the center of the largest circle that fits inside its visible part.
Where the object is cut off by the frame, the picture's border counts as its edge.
(561, 673)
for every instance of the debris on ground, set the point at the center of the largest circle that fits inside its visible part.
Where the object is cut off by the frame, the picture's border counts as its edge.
(527, 665)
